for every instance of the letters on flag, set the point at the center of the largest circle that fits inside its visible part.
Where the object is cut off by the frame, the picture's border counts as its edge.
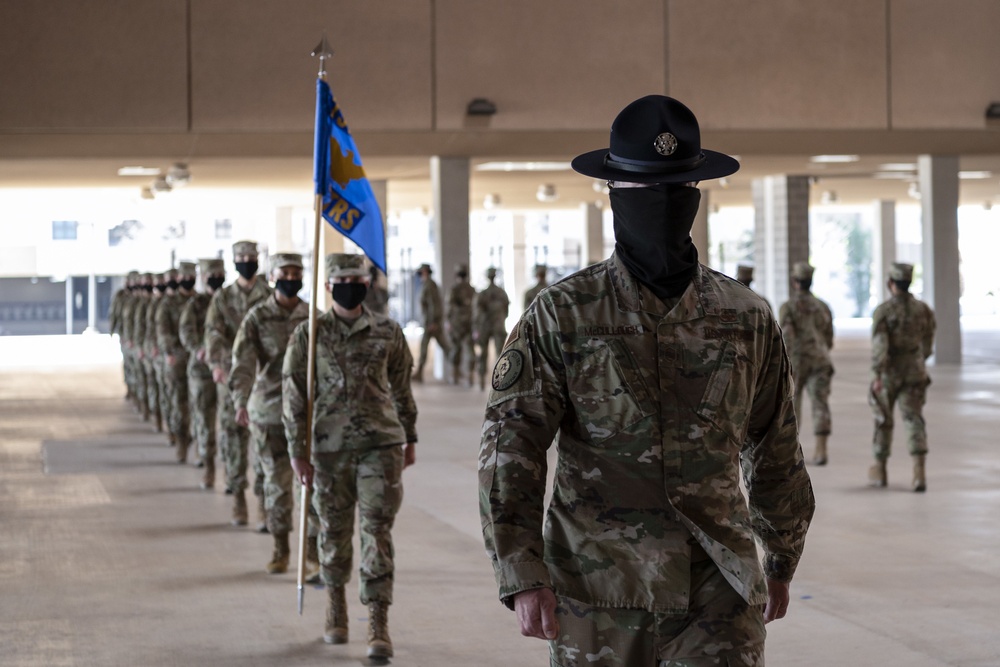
(348, 202)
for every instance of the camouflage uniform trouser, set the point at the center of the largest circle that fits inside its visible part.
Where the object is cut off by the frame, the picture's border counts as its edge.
(911, 397)
(279, 479)
(179, 420)
(425, 341)
(162, 389)
(499, 338)
(152, 389)
(203, 408)
(816, 382)
(139, 388)
(463, 348)
(372, 480)
(234, 444)
(720, 628)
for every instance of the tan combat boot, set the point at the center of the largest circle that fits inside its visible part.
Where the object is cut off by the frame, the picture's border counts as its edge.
(919, 476)
(819, 458)
(335, 631)
(261, 515)
(208, 478)
(379, 644)
(456, 374)
(419, 375)
(877, 475)
(312, 573)
(239, 508)
(182, 451)
(279, 559)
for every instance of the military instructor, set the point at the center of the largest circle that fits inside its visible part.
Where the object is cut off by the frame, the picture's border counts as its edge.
(663, 379)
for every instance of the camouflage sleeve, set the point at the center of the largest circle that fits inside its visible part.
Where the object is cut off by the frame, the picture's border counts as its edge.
(880, 344)
(293, 391)
(244, 365)
(216, 342)
(928, 339)
(115, 313)
(787, 324)
(166, 336)
(523, 414)
(400, 366)
(139, 325)
(188, 328)
(780, 493)
(828, 327)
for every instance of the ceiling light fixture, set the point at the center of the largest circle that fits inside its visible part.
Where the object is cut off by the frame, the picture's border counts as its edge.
(139, 171)
(491, 200)
(547, 193)
(833, 159)
(974, 175)
(178, 175)
(524, 166)
(161, 185)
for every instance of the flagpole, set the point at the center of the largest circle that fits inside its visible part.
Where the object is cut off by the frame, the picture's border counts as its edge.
(324, 52)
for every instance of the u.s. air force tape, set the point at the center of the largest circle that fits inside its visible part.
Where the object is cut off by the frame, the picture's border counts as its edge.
(507, 370)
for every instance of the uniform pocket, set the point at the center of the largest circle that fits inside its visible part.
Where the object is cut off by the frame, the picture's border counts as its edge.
(726, 401)
(606, 391)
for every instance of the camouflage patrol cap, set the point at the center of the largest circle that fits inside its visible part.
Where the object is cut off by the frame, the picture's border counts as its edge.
(132, 275)
(186, 268)
(211, 265)
(425, 267)
(342, 264)
(245, 248)
(281, 259)
(540, 268)
(802, 271)
(148, 276)
(744, 273)
(462, 268)
(170, 274)
(900, 272)
(491, 272)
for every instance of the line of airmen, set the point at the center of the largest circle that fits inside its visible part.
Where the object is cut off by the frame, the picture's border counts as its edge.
(219, 355)
(471, 319)
(902, 339)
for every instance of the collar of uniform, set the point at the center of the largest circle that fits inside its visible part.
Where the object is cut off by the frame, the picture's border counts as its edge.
(630, 295)
(363, 322)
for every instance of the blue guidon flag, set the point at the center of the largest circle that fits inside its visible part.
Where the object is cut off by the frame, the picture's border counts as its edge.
(348, 202)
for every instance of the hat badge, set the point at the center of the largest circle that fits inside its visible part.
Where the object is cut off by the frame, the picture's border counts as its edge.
(665, 144)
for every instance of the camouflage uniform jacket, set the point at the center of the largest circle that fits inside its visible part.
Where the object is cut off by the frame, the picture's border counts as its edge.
(192, 332)
(168, 321)
(491, 308)
(363, 396)
(149, 343)
(460, 299)
(656, 409)
(807, 329)
(225, 313)
(130, 318)
(430, 303)
(258, 353)
(902, 338)
(532, 292)
(116, 312)
(139, 323)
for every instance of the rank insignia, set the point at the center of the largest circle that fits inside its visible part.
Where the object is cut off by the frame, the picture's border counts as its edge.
(507, 370)
(665, 144)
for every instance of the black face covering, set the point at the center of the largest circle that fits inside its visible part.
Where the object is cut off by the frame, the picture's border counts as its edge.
(215, 282)
(247, 269)
(146, 288)
(173, 284)
(461, 275)
(349, 295)
(187, 283)
(653, 235)
(161, 288)
(288, 287)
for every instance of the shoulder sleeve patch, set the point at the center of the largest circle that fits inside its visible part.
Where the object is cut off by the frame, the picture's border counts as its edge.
(507, 370)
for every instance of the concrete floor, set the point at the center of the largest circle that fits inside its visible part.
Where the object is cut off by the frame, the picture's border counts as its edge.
(110, 555)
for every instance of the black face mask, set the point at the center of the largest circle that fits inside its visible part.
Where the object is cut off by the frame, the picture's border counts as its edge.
(187, 284)
(215, 282)
(173, 284)
(161, 288)
(461, 275)
(288, 287)
(146, 288)
(247, 269)
(653, 235)
(349, 295)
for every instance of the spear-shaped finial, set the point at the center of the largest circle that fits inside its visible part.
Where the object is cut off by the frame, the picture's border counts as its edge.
(324, 52)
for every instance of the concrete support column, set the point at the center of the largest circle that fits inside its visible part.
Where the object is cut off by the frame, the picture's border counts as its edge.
(516, 269)
(938, 176)
(883, 246)
(450, 186)
(283, 230)
(331, 241)
(91, 302)
(781, 233)
(592, 247)
(380, 189)
(699, 231)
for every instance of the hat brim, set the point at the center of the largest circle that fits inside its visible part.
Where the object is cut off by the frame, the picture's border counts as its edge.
(716, 165)
(347, 273)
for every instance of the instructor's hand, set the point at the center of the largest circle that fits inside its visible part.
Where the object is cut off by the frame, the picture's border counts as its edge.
(877, 386)
(777, 600)
(409, 454)
(218, 375)
(536, 612)
(243, 417)
(303, 471)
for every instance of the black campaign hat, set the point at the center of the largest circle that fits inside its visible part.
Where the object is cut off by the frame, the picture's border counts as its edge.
(655, 139)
